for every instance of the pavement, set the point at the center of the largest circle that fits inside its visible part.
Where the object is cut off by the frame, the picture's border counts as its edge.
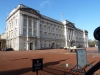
(55, 61)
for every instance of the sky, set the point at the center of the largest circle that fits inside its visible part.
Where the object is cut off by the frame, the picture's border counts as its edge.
(85, 14)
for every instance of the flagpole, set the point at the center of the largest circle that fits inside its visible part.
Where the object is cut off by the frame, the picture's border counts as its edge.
(61, 17)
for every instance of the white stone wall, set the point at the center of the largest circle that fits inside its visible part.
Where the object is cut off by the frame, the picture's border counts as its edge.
(12, 31)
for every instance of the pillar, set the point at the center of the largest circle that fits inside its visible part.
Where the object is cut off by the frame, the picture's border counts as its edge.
(33, 45)
(32, 27)
(74, 37)
(70, 34)
(38, 28)
(99, 46)
(38, 44)
(27, 35)
(20, 24)
(27, 46)
(65, 33)
(67, 36)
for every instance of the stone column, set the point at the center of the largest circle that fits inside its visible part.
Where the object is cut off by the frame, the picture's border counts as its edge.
(32, 27)
(27, 45)
(38, 44)
(67, 36)
(71, 34)
(27, 35)
(33, 45)
(65, 33)
(74, 37)
(18, 24)
(38, 28)
(21, 25)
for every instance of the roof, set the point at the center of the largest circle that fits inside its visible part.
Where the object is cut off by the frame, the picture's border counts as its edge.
(23, 8)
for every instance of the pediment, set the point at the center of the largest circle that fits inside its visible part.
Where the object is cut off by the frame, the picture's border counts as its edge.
(30, 10)
(71, 25)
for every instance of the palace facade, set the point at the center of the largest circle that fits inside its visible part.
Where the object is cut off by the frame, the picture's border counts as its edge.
(27, 29)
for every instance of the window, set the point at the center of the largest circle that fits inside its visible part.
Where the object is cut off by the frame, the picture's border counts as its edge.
(52, 29)
(35, 23)
(49, 29)
(12, 34)
(44, 35)
(49, 45)
(12, 24)
(49, 35)
(40, 27)
(34, 33)
(30, 32)
(40, 33)
(24, 32)
(42, 22)
(53, 35)
(56, 30)
(16, 32)
(30, 23)
(44, 45)
(16, 22)
(44, 28)
(25, 22)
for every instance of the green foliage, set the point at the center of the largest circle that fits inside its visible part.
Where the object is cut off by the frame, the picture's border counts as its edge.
(92, 43)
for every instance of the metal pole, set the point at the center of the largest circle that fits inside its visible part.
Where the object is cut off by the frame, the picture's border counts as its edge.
(36, 72)
(99, 46)
(61, 17)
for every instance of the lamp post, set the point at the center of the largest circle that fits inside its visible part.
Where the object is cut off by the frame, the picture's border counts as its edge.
(69, 43)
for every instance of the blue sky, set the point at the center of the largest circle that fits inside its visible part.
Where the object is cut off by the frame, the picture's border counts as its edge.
(84, 13)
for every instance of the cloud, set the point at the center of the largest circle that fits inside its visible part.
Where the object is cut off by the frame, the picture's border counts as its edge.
(47, 3)
(7, 13)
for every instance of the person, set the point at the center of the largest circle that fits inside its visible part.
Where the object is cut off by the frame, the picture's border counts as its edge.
(74, 48)
(71, 49)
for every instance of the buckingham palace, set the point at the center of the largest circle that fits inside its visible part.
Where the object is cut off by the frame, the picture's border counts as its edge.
(28, 29)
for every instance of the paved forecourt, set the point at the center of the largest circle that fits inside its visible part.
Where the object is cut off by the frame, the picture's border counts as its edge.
(20, 63)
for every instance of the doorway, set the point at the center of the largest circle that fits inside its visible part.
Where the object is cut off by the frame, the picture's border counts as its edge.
(31, 46)
(52, 46)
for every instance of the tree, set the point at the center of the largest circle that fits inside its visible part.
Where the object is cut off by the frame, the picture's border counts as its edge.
(92, 43)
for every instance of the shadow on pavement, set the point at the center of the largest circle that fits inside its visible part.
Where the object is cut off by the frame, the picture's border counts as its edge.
(53, 63)
(16, 72)
(59, 71)
(49, 68)
(53, 70)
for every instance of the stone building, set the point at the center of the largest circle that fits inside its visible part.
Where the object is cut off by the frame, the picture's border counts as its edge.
(27, 29)
(2, 41)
